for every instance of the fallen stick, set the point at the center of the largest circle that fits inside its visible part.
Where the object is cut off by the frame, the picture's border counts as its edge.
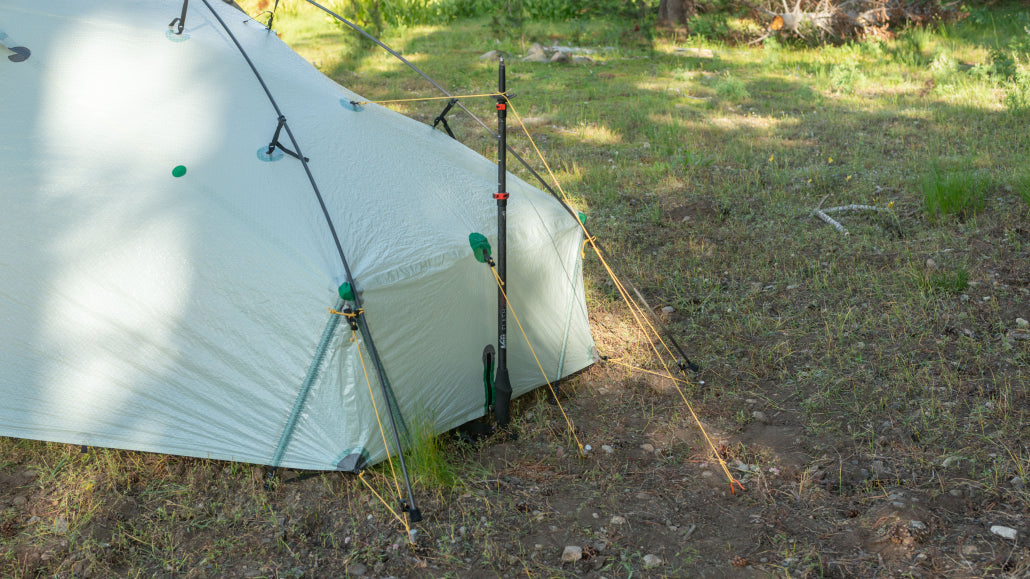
(853, 207)
(836, 224)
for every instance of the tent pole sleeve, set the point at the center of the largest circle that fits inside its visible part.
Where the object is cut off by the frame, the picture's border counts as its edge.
(314, 371)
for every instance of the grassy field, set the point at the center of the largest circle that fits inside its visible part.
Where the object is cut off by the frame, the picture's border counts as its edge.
(870, 389)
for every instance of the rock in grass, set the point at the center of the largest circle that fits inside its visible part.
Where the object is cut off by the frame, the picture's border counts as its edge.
(1005, 532)
(1022, 323)
(60, 526)
(651, 560)
(535, 54)
(572, 554)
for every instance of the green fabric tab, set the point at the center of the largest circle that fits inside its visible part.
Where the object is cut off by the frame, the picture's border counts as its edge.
(346, 292)
(582, 217)
(480, 246)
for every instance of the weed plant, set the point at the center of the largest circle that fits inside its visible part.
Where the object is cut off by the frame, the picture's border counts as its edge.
(959, 193)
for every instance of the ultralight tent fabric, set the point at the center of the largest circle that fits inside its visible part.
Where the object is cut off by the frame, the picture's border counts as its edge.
(166, 287)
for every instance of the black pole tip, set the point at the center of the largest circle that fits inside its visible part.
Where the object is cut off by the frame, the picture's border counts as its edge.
(414, 515)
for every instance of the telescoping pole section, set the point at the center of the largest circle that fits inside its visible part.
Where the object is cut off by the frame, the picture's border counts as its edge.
(502, 384)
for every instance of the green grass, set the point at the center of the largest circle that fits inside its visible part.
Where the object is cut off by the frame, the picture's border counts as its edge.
(961, 193)
(896, 345)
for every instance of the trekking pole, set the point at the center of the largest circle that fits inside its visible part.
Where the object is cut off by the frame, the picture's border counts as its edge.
(502, 384)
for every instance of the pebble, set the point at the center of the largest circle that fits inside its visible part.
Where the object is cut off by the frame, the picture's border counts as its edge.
(618, 520)
(917, 525)
(760, 416)
(651, 560)
(357, 569)
(931, 264)
(60, 525)
(607, 449)
(668, 310)
(1022, 323)
(647, 447)
(19, 501)
(1005, 532)
(572, 554)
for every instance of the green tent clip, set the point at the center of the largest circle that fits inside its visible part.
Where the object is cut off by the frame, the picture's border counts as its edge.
(480, 246)
(346, 292)
(582, 217)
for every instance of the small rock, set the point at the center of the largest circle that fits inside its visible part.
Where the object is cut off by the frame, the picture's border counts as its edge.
(647, 447)
(357, 569)
(607, 449)
(1022, 323)
(535, 54)
(19, 501)
(917, 525)
(1016, 482)
(583, 60)
(33, 519)
(492, 55)
(651, 560)
(572, 554)
(931, 264)
(1005, 532)
(560, 57)
(707, 474)
(760, 416)
(1019, 334)
(60, 526)
(668, 310)
(618, 520)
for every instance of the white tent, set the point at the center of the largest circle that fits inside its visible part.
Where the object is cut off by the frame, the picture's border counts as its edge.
(166, 285)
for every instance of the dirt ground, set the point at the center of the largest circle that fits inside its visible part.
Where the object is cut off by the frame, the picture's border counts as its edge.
(644, 502)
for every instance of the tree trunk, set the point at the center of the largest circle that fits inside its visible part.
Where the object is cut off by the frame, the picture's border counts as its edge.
(675, 12)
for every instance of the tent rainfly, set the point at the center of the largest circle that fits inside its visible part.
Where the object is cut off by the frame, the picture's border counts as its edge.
(184, 213)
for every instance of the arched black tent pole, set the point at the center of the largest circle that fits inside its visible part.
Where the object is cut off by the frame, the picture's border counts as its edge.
(411, 508)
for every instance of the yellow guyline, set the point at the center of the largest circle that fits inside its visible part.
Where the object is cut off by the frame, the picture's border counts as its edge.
(635, 309)
(572, 429)
(440, 98)
(382, 431)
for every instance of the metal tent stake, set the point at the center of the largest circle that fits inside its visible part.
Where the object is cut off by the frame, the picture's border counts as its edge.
(502, 384)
